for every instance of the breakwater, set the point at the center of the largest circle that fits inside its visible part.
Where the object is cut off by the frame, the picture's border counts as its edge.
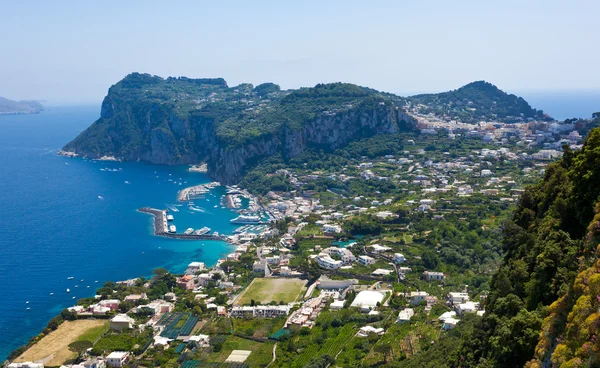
(161, 227)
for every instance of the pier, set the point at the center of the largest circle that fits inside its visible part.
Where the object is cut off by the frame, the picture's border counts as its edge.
(161, 227)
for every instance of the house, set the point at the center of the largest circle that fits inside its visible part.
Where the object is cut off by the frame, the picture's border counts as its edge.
(162, 341)
(366, 260)
(431, 275)
(156, 307)
(331, 229)
(367, 330)
(260, 311)
(325, 261)
(135, 298)
(111, 304)
(377, 249)
(457, 298)
(328, 284)
(194, 267)
(449, 323)
(405, 315)
(447, 315)
(431, 300)
(121, 322)
(367, 300)
(399, 258)
(200, 341)
(262, 267)
(336, 305)
(381, 272)
(25, 365)
(186, 282)
(467, 307)
(345, 254)
(416, 297)
(117, 358)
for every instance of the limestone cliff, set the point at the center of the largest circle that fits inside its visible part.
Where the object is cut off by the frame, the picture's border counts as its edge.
(186, 121)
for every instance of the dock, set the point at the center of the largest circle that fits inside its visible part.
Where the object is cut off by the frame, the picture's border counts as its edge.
(161, 227)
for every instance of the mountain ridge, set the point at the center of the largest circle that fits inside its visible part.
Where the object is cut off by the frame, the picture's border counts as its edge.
(185, 121)
(19, 107)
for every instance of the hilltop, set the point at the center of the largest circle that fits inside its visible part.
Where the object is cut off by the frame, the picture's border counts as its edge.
(19, 107)
(188, 121)
(183, 120)
(478, 101)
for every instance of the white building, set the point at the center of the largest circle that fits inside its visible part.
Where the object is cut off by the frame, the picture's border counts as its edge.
(26, 365)
(449, 323)
(366, 260)
(336, 305)
(367, 300)
(331, 229)
(457, 298)
(467, 307)
(345, 254)
(367, 330)
(117, 358)
(260, 311)
(416, 297)
(379, 248)
(325, 261)
(405, 315)
(399, 258)
(431, 275)
(121, 322)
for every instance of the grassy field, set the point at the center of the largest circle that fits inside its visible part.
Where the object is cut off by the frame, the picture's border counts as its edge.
(53, 348)
(261, 352)
(265, 290)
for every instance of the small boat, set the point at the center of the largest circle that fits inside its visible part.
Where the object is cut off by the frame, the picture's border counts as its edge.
(127, 182)
(73, 297)
(100, 198)
(68, 290)
(88, 286)
(76, 285)
(28, 308)
(81, 280)
(70, 278)
(27, 302)
(216, 206)
(51, 293)
(96, 281)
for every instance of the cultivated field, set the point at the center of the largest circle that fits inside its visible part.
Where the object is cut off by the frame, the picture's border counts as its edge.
(264, 291)
(53, 348)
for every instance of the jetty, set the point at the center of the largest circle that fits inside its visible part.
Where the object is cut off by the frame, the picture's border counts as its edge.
(161, 227)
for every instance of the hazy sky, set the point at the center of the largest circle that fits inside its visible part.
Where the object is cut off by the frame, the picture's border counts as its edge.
(73, 51)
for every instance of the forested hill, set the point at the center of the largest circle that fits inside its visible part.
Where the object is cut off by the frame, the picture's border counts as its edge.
(184, 120)
(544, 306)
(478, 101)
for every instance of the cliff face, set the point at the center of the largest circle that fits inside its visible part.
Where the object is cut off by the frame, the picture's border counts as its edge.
(164, 126)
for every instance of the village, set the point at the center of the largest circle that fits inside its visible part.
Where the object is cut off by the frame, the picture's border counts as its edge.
(345, 265)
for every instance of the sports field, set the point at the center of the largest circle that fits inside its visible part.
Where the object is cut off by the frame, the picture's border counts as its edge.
(266, 290)
(53, 349)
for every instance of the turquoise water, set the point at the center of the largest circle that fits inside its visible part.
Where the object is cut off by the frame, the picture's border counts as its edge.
(55, 226)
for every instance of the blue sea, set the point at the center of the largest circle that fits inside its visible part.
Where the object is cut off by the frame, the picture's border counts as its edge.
(54, 225)
(563, 105)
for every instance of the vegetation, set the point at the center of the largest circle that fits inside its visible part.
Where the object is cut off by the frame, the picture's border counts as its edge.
(478, 101)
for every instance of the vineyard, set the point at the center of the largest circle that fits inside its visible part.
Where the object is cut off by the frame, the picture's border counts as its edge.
(177, 324)
(331, 346)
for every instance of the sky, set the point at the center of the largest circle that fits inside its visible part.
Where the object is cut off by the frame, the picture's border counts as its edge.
(73, 51)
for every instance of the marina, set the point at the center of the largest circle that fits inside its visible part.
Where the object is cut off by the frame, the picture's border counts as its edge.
(161, 228)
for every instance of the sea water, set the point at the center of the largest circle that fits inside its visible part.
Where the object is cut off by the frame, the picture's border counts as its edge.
(77, 218)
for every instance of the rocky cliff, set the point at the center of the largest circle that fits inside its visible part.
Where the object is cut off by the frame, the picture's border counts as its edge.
(186, 121)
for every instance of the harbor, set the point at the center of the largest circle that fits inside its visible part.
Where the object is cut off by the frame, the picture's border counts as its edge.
(162, 228)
